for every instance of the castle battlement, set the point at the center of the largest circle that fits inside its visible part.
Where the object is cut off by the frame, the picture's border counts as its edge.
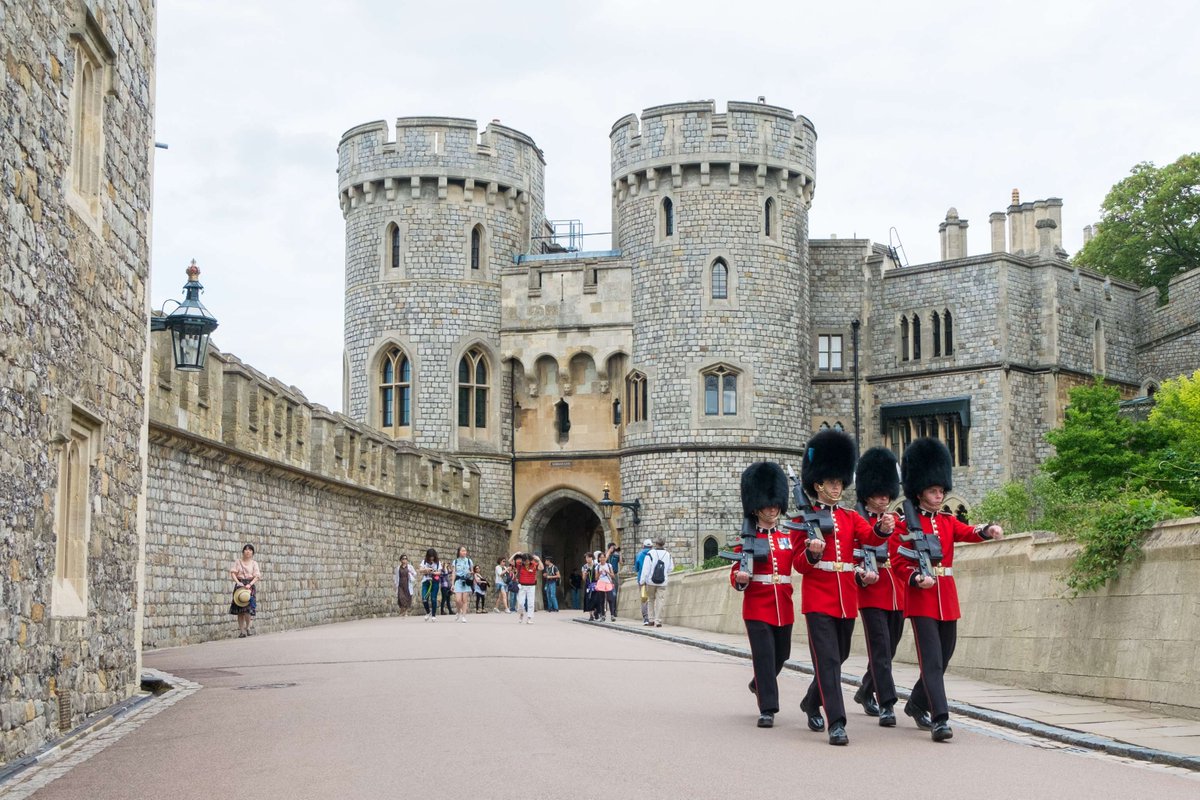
(1180, 315)
(232, 406)
(434, 154)
(749, 142)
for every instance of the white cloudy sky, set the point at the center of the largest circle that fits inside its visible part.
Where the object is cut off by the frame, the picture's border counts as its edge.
(918, 106)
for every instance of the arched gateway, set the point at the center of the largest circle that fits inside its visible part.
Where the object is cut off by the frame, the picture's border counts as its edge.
(565, 525)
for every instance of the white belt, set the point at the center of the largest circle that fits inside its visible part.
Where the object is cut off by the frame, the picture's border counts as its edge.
(771, 578)
(835, 566)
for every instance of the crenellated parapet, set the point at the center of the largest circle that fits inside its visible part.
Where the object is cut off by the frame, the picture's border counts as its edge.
(237, 409)
(436, 157)
(749, 144)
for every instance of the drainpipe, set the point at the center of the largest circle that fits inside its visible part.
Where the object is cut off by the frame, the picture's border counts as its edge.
(854, 326)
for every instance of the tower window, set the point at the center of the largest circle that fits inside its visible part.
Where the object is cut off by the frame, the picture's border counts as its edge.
(635, 397)
(476, 246)
(770, 224)
(829, 353)
(720, 280)
(903, 338)
(937, 334)
(948, 327)
(395, 392)
(668, 217)
(394, 246)
(473, 390)
(916, 338)
(720, 392)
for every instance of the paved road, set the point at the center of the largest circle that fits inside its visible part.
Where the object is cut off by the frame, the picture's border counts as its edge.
(393, 708)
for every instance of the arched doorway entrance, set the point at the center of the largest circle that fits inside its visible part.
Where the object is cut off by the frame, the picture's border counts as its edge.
(564, 525)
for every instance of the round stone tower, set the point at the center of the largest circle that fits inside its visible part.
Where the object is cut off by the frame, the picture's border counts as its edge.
(431, 218)
(711, 212)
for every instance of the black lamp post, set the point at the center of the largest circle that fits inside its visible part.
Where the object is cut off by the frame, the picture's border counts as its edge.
(190, 325)
(607, 503)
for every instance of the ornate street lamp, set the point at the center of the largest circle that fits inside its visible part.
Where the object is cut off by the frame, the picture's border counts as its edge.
(606, 506)
(190, 325)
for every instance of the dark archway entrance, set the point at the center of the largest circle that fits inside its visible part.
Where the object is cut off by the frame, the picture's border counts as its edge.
(564, 525)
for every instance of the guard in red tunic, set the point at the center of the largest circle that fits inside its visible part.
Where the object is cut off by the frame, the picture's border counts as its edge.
(880, 604)
(767, 607)
(926, 566)
(829, 593)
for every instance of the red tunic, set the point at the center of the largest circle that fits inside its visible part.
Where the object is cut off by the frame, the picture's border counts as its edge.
(940, 601)
(835, 592)
(770, 602)
(888, 592)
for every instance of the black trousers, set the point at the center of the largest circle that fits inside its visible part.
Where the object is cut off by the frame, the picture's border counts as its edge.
(829, 643)
(882, 630)
(770, 646)
(935, 642)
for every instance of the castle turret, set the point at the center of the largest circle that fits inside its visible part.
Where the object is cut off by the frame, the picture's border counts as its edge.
(431, 217)
(711, 212)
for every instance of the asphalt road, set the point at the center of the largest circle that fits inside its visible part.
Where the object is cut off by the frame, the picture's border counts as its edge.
(398, 708)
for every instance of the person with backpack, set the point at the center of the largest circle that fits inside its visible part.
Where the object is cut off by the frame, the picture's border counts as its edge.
(526, 567)
(587, 575)
(655, 568)
(464, 582)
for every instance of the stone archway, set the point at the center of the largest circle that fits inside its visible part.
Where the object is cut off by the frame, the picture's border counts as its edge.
(565, 525)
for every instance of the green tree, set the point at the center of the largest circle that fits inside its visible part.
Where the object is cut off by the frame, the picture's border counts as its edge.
(1175, 421)
(1150, 227)
(1097, 451)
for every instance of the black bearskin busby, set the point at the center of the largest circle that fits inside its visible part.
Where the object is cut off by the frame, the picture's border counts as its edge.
(829, 454)
(878, 472)
(763, 484)
(926, 463)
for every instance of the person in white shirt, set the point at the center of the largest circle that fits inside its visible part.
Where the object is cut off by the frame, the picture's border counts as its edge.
(656, 590)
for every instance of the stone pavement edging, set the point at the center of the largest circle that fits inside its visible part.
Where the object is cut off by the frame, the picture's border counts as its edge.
(25, 776)
(1090, 741)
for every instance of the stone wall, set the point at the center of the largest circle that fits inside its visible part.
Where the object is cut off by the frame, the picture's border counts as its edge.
(74, 267)
(1169, 335)
(329, 504)
(1135, 641)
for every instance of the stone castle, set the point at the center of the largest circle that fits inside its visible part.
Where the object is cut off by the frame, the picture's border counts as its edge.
(496, 382)
(716, 332)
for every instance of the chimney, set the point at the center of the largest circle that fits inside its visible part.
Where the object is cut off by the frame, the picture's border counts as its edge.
(1047, 232)
(996, 220)
(953, 233)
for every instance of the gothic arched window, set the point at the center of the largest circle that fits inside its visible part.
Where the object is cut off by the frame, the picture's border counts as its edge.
(720, 280)
(948, 337)
(395, 392)
(635, 397)
(668, 217)
(473, 390)
(720, 391)
(903, 338)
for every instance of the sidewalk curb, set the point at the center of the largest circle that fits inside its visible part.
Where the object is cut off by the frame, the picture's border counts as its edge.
(1089, 741)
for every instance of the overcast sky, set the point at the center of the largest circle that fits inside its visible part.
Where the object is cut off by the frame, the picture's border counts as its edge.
(918, 106)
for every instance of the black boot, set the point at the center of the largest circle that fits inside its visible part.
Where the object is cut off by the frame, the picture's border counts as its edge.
(837, 734)
(867, 701)
(920, 717)
(941, 731)
(766, 720)
(887, 717)
(816, 722)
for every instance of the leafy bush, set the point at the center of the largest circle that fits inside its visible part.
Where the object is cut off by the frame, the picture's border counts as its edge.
(713, 563)
(1113, 534)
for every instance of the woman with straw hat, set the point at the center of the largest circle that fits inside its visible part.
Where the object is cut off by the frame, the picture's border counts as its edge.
(246, 574)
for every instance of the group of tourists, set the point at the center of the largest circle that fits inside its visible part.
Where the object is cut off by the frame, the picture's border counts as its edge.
(514, 582)
(870, 561)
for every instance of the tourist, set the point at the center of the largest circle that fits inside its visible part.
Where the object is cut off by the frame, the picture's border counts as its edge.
(446, 582)
(931, 597)
(880, 604)
(431, 583)
(587, 574)
(550, 579)
(575, 583)
(656, 590)
(463, 570)
(767, 609)
(501, 586)
(605, 584)
(526, 567)
(479, 587)
(613, 557)
(829, 592)
(246, 574)
(637, 570)
(404, 577)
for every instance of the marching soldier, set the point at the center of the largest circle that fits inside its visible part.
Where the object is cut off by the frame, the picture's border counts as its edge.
(880, 604)
(767, 607)
(926, 567)
(829, 594)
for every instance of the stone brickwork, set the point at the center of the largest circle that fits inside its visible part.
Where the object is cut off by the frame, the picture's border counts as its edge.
(74, 266)
(329, 504)
(1169, 335)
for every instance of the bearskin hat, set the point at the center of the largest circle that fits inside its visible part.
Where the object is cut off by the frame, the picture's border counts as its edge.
(878, 472)
(829, 454)
(763, 484)
(926, 463)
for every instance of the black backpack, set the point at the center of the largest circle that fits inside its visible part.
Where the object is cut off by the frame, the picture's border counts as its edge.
(658, 576)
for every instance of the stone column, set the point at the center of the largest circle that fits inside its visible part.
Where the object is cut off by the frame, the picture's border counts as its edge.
(1047, 232)
(996, 220)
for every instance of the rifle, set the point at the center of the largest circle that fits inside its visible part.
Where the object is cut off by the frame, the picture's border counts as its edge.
(815, 524)
(752, 548)
(926, 549)
(871, 556)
